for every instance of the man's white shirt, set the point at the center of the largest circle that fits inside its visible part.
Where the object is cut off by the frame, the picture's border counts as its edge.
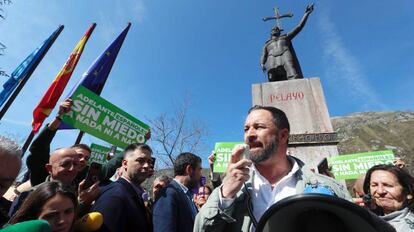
(263, 196)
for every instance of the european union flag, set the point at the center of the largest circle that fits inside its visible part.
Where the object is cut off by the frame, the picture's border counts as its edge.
(26, 68)
(94, 79)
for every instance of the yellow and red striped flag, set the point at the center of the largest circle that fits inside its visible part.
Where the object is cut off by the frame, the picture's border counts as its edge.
(52, 95)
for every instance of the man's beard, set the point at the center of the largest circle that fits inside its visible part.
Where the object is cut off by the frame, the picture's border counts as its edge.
(193, 183)
(266, 153)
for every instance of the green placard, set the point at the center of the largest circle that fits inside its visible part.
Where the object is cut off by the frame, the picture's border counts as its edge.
(99, 153)
(100, 118)
(223, 152)
(351, 166)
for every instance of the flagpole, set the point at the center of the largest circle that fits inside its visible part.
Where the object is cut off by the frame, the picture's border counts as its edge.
(98, 92)
(24, 80)
(27, 142)
(79, 138)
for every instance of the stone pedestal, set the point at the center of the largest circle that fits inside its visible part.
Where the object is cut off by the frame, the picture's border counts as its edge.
(312, 136)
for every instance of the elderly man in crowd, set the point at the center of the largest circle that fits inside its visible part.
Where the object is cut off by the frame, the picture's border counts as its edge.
(263, 178)
(40, 149)
(63, 166)
(159, 183)
(10, 163)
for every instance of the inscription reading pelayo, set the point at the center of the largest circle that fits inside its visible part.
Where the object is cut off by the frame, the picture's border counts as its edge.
(292, 96)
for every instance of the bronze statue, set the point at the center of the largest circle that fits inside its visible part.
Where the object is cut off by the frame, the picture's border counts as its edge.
(278, 56)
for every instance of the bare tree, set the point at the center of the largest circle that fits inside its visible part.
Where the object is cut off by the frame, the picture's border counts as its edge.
(175, 134)
(3, 17)
(2, 4)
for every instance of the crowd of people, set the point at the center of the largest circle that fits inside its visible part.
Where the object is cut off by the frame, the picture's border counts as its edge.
(58, 188)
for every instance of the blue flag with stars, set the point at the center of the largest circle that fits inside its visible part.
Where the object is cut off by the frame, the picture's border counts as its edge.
(25, 69)
(94, 79)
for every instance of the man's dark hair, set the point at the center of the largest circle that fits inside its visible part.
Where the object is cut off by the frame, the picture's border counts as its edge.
(82, 146)
(279, 117)
(134, 146)
(184, 159)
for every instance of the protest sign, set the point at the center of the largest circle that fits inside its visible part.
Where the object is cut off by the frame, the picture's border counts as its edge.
(353, 165)
(223, 153)
(99, 153)
(100, 118)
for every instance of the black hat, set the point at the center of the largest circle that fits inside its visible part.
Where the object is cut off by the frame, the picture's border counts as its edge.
(319, 213)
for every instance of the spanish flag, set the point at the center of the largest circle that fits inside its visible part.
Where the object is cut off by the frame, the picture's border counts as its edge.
(52, 95)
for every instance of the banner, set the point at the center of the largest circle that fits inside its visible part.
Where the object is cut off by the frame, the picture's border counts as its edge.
(351, 166)
(100, 118)
(223, 153)
(99, 153)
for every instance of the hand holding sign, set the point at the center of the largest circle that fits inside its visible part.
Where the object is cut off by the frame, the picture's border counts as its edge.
(64, 107)
(237, 173)
(98, 117)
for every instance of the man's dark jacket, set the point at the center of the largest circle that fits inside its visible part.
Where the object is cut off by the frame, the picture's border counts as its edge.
(172, 212)
(122, 208)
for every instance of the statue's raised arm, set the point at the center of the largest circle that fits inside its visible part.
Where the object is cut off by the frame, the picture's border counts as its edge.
(302, 22)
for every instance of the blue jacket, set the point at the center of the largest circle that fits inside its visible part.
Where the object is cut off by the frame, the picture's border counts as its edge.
(172, 211)
(122, 208)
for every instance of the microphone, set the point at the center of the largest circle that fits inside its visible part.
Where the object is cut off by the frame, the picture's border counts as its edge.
(90, 222)
(29, 226)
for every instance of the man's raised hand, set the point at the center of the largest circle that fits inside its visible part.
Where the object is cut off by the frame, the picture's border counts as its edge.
(237, 173)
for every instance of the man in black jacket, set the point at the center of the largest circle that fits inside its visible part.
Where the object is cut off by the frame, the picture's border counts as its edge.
(121, 202)
(175, 211)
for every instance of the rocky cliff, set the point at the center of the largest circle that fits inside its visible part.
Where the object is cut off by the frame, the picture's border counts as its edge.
(370, 131)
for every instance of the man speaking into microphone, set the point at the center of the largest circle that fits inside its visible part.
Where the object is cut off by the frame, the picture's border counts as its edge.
(261, 179)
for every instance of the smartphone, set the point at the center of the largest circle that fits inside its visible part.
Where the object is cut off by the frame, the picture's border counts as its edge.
(111, 153)
(323, 166)
(93, 174)
(367, 198)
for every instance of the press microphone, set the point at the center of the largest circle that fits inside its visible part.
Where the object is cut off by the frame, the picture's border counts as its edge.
(29, 226)
(90, 222)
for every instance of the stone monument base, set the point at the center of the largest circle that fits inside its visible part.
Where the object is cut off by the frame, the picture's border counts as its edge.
(312, 137)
